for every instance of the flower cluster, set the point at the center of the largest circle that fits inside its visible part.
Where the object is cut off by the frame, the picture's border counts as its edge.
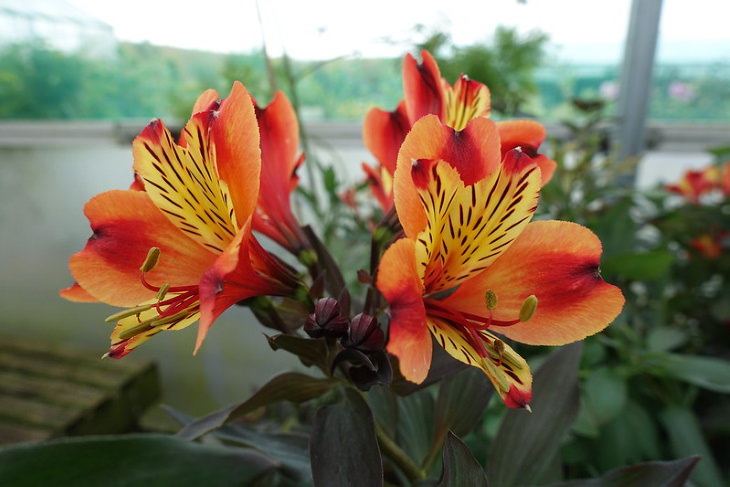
(700, 187)
(466, 268)
(695, 184)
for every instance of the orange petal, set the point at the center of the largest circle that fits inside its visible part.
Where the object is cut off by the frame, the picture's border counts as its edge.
(183, 182)
(279, 131)
(235, 133)
(239, 273)
(422, 87)
(126, 224)
(409, 339)
(474, 152)
(77, 294)
(205, 101)
(384, 132)
(466, 100)
(558, 263)
(528, 135)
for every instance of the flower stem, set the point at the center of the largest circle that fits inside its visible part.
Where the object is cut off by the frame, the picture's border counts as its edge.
(398, 456)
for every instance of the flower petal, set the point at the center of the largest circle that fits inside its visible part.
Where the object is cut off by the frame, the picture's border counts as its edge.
(528, 135)
(235, 134)
(206, 101)
(279, 132)
(384, 132)
(466, 100)
(469, 227)
(183, 181)
(77, 294)
(422, 87)
(506, 369)
(244, 270)
(474, 152)
(126, 224)
(409, 339)
(558, 263)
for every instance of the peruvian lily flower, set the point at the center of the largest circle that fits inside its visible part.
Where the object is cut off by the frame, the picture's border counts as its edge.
(187, 221)
(695, 183)
(472, 265)
(427, 93)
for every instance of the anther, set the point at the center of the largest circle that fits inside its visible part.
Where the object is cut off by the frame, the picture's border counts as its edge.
(528, 308)
(153, 255)
(490, 298)
(162, 292)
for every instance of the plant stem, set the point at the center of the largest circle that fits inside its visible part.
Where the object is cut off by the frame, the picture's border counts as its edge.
(398, 456)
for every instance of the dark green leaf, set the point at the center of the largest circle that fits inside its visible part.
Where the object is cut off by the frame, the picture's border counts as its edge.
(604, 394)
(460, 467)
(461, 402)
(292, 450)
(641, 266)
(129, 460)
(707, 372)
(664, 474)
(686, 438)
(289, 386)
(309, 350)
(415, 424)
(526, 443)
(664, 338)
(344, 450)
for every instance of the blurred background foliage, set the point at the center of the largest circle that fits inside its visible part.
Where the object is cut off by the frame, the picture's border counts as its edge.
(144, 81)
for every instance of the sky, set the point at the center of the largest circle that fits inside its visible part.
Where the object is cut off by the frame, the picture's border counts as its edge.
(579, 30)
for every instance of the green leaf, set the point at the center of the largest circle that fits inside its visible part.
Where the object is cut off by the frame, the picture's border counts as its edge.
(640, 266)
(141, 459)
(289, 386)
(343, 448)
(526, 443)
(605, 394)
(686, 438)
(452, 411)
(664, 474)
(415, 424)
(460, 466)
(309, 350)
(664, 338)
(707, 372)
(292, 450)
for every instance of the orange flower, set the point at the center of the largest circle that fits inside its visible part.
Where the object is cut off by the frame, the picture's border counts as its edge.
(695, 183)
(427, 93)
(187, 221)
(471, 263)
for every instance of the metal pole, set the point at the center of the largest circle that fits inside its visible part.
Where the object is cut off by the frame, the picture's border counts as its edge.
(636, 79)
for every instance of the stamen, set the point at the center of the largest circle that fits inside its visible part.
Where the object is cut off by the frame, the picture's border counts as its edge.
(127, 312)
(490, 298)
(153, 255)
(528, 308)
(162, 292)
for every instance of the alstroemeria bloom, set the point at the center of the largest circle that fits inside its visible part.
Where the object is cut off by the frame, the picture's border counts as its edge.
(427, 93)
(472, 264)
(192, 204)
(695, 183)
